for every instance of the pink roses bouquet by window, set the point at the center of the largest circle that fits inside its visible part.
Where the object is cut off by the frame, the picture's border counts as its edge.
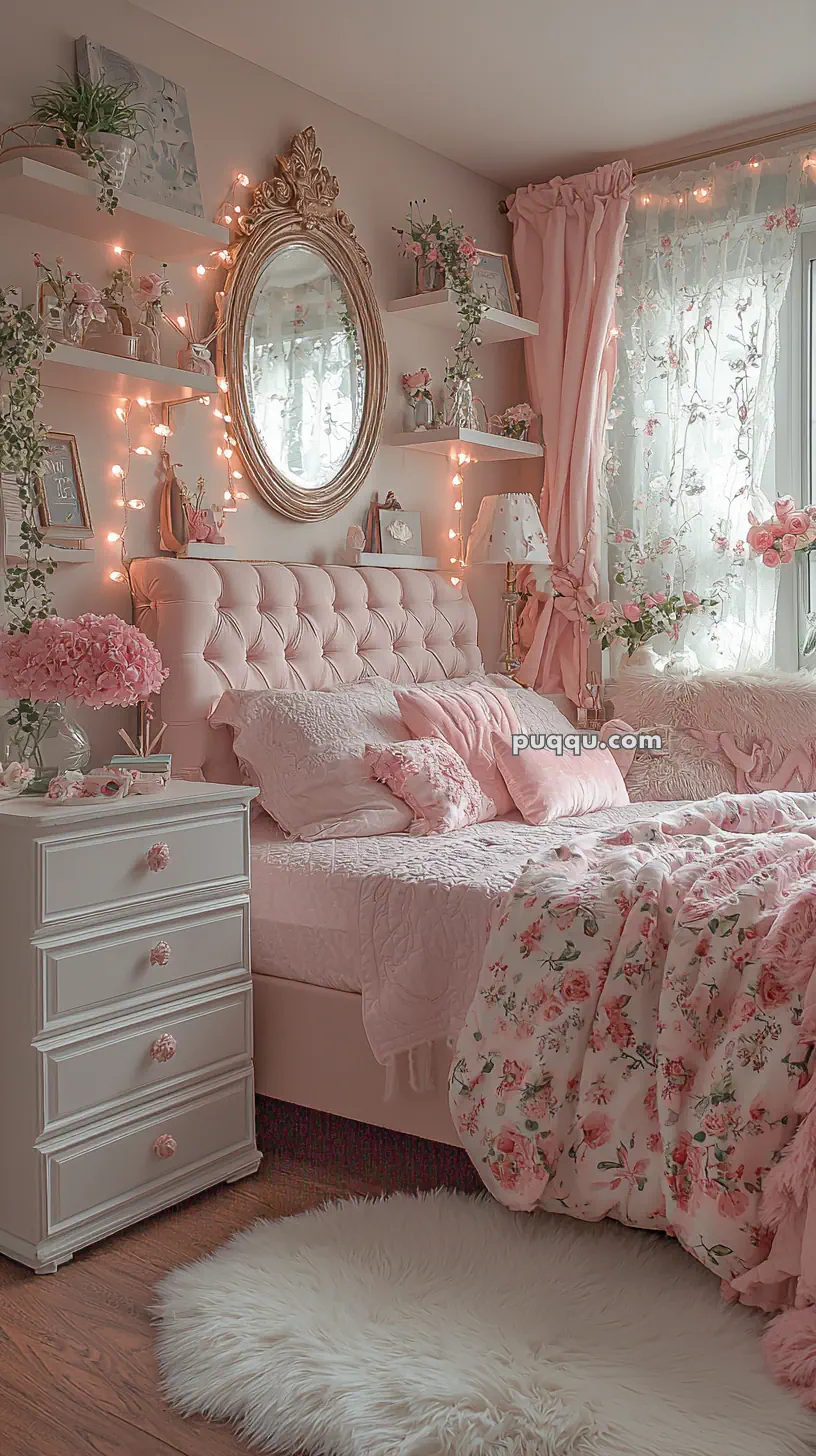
(647, 616)
(96, 661)
(787, 531)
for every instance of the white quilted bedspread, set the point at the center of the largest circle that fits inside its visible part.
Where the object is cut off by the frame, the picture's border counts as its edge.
(401, 919)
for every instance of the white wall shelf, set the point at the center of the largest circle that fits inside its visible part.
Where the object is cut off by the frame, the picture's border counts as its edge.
(477, 444)
(380, 558)
(440, 311)
(56, 199)
(60, 555)
(90, 372)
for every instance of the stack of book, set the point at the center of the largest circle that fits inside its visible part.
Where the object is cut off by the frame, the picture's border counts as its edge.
(158, 763)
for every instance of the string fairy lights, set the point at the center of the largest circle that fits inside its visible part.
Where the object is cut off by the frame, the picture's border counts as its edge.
(455, 534)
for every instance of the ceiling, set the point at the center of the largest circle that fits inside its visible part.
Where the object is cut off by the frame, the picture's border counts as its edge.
(518, 90)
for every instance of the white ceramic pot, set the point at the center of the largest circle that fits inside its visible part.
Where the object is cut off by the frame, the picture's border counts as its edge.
(117, 151)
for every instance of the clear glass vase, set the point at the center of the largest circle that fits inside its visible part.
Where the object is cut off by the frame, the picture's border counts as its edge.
(48, 741)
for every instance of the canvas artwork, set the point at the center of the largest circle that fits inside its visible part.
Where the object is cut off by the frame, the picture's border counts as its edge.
(493, 281)
(163, 167)
(400, 533)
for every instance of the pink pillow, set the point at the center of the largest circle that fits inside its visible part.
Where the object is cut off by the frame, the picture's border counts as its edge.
(468, 719)
(624, 757)
(547, 786)
(433, 781)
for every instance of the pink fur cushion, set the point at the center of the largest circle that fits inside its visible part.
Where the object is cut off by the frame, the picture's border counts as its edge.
(722, 732)
(546, 786)
(468, 719)
(433, 781)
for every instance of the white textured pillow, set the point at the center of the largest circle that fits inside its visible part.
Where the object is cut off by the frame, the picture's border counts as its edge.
(305, 752)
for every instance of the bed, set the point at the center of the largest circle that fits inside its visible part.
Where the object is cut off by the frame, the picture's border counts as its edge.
(335, 922)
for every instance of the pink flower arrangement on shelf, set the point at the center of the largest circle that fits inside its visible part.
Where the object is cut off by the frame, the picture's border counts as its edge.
(515, 422)
(96, 661)
(787, 531)
(647, 616)
(417, 385)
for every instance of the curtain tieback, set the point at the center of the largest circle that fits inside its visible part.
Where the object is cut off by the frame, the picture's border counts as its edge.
(569, 597)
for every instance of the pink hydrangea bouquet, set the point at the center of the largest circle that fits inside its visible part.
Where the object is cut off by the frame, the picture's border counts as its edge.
(647, 616)
(417, 385)
(96, 661)
(787, 531)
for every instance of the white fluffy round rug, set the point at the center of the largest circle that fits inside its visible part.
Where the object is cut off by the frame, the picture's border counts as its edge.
(442, 1325)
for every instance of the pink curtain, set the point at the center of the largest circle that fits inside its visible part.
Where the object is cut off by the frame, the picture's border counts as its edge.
(567, 238)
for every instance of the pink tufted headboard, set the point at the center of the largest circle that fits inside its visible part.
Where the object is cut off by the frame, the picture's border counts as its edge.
(250, 624)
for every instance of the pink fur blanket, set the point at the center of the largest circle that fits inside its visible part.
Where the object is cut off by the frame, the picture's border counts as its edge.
(639, 1046)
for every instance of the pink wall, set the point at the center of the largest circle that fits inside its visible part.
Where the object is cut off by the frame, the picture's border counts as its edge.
(242, 115)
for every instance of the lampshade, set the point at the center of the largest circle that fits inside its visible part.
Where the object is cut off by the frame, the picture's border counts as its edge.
(507, 528)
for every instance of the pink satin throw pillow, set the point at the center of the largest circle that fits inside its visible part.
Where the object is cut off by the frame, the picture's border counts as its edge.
(547, 786)
(430, 777)
(469, 719)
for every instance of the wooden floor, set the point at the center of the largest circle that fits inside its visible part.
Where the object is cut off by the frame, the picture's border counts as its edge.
(77, 1373)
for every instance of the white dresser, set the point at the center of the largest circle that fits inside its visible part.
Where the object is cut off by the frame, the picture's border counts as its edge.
(125, 1011)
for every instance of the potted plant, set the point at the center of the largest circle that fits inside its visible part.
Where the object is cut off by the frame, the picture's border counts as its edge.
(98, 121)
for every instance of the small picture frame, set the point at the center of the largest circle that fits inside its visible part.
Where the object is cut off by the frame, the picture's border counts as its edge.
(493, 281)
(400, 533)
(64, 511)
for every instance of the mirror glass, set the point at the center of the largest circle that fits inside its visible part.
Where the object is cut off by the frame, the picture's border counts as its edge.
(304, 368)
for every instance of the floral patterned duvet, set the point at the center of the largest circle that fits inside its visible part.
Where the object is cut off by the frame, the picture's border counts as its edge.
(640, 1042)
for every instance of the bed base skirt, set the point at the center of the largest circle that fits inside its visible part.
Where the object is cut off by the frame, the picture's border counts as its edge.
(311, 1049)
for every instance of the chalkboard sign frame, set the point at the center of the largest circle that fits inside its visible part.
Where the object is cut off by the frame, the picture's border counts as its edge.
(54, 527)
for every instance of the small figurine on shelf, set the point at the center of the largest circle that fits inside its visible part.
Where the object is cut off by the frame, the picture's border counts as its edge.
(85, 305)
(514, 423)
(421, 413)
(195, 356)
(149, 294)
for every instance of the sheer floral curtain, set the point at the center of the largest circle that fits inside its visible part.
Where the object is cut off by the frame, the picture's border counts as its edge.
(706, 263)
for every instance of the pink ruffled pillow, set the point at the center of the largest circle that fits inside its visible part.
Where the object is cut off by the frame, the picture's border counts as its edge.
(547, 786)
(468, 719)
(431, 778)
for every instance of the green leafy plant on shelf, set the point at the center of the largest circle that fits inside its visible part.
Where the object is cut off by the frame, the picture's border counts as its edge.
(87, 116)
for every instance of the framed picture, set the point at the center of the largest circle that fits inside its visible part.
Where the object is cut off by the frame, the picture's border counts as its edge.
(64, 512)
(400, 533)
(493, 281)
(163, 168)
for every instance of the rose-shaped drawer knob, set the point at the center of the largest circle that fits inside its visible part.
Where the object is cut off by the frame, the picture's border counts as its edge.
(165, 1145)
(158, 856)
(163, 1048)
(160, 954)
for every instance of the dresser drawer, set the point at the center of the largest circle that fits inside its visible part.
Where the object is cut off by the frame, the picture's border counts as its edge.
(90, 1177)
(83, 976)
(141, 1057)
(104, 871)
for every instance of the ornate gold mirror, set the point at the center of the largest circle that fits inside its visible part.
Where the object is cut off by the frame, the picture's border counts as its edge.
(303, 348)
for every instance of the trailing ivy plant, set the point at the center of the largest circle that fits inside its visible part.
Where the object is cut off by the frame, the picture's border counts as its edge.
(447, 245)
(26, 594)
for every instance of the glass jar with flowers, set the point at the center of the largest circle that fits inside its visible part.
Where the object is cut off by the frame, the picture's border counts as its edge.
(53, 294)
(148, 294)
(514, 423)
(91, 661)
(84, 305)
(421, 412)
